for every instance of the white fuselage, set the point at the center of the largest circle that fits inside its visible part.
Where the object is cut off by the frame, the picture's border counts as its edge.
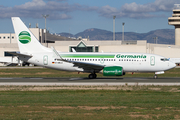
(131, 62)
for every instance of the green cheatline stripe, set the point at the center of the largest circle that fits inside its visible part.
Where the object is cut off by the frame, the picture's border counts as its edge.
(87, 56)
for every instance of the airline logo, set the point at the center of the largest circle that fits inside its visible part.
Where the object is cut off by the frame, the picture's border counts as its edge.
(130, 56)
(24, 37)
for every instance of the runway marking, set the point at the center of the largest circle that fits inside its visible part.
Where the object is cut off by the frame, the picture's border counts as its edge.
(76, 79)
(141, 79)
(36, 78)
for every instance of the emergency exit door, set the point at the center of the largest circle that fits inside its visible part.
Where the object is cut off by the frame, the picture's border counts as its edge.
(45, 60)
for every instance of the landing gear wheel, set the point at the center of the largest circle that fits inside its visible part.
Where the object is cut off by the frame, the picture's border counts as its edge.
(155, 76)
(91, 76)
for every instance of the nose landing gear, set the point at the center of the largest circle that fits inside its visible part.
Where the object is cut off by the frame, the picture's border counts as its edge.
(155, 76)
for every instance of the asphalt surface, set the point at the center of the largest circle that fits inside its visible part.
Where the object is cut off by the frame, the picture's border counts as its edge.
(69, 80)
(86, 81)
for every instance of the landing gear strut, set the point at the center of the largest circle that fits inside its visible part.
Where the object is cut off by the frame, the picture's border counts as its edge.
(91, 76)
(155, 76)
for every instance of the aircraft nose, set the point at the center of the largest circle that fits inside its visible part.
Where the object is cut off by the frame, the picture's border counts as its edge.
(172, 65)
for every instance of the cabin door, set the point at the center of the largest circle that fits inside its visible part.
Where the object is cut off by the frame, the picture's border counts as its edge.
(152, 60)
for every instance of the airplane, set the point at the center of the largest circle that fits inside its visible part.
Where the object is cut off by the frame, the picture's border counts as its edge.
(109, 64)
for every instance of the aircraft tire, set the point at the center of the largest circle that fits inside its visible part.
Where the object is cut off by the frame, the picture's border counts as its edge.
(91, 76)
(155, 76)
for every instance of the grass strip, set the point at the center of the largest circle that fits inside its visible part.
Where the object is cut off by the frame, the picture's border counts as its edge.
(139, 102)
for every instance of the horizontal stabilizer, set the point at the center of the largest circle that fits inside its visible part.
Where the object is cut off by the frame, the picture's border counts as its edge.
(19, 54)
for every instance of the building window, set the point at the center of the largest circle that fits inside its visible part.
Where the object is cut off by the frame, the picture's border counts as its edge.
(8, 54)
(81, 47)
(96, 49)
(12, 37)
(8, 37)
(0, 37)
(176, 12)
(4, 37)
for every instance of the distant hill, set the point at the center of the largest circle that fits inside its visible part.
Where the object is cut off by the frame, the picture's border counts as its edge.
(165, 36)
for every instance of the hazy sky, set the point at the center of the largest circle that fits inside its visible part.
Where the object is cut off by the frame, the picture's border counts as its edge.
(77, 15)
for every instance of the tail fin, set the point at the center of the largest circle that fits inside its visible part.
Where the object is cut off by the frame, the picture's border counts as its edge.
(27, 42)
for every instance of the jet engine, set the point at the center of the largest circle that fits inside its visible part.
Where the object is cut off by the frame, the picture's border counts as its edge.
(113, 71)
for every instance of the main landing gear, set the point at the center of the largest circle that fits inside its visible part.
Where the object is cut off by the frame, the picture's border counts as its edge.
(92, 75)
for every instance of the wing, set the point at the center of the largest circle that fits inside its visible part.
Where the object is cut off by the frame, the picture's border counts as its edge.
(83, 65)
(88, 66)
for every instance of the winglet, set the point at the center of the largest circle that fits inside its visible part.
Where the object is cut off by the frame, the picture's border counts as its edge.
(73, 50)
(58, 55)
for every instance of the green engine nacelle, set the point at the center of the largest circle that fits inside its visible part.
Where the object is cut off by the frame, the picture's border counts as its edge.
(113, 71)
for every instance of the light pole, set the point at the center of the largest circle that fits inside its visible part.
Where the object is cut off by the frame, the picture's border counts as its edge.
(155, 39)
(45, 16)
(114, 27)
(123, 31)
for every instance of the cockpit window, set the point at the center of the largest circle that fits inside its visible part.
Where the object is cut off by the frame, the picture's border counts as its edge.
(164, 59)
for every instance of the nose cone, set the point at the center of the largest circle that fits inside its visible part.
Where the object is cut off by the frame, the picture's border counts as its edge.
(172, 65)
